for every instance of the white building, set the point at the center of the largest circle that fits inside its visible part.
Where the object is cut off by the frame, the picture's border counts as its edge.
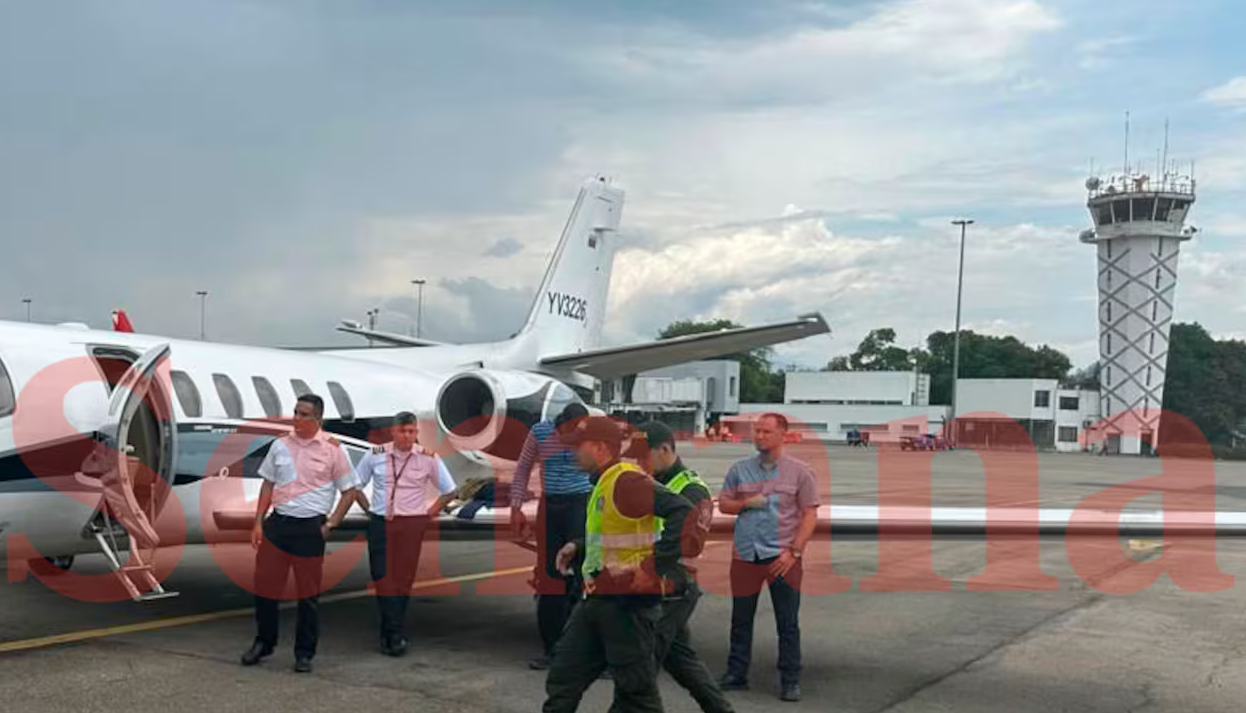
(685, 397)
(827, 405)
(1012, 413)
(840, 388)
(721, 379)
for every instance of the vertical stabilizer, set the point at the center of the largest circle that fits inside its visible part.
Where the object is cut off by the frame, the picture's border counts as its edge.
(569, 309)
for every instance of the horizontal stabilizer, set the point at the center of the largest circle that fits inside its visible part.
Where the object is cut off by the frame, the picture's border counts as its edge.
(399, 340)
(615, 362)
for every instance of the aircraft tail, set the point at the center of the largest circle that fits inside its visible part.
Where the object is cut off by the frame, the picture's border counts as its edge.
(121, 322)
(569, 310)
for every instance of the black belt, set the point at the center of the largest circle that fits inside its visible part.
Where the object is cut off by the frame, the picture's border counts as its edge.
(297, 519)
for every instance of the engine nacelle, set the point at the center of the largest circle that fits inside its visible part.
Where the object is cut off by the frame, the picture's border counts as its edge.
(492, 411)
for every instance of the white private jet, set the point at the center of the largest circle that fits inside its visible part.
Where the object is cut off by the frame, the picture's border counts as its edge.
(195, 415)
(194, 419)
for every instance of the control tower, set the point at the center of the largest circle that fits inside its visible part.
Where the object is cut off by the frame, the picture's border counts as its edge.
(1139, 228)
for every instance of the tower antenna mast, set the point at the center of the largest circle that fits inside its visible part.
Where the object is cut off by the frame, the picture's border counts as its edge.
(1165, 171)
(1126, 143)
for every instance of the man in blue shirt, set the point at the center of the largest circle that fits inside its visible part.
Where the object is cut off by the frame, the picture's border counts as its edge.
(775, 500)
(564, 503)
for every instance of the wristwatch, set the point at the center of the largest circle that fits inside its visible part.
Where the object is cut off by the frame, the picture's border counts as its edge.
(796, 552)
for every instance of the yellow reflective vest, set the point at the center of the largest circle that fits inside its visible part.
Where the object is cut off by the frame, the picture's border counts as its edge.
(612, 540)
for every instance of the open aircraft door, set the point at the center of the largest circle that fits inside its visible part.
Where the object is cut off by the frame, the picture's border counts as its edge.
(137, 448)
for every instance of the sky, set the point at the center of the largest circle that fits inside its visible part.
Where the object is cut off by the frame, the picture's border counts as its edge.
(303, 161)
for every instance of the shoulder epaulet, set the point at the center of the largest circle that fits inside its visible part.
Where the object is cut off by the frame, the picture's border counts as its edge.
(378, 449)
(332, 440)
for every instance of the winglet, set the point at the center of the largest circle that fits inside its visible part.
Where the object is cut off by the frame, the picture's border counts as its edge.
(121, 322)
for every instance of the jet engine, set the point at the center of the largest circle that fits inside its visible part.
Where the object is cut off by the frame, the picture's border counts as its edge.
(492, 411)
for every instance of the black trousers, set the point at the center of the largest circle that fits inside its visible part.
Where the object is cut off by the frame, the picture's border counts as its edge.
(560, 520)
(290, 543)
(674, 650)
(394, 557)
(747, 579)
(606, 632)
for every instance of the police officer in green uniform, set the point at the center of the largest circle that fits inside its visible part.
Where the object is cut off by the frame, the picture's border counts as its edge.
(674, 636)
(631, 554)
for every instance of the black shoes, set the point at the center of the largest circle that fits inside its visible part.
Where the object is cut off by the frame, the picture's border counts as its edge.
(790, 692)
(258, 651)
(787, 691)
(394, 645)
(540, 663)
(255, 653)
(731, 682)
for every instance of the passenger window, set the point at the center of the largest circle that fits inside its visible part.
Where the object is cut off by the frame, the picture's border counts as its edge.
(8, 400)
(342, 400)
(300, 387)
(230, 398)
(268, 396)
(187, 394)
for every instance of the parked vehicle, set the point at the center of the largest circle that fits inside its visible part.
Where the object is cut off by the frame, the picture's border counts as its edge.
(924, 442)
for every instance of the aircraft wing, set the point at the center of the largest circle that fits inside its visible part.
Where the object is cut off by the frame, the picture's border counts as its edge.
(868, 522)
(400, 340)
(614, 362)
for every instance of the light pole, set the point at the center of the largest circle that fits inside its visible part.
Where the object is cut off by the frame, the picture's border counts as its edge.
(419, 313)
(203, 323)
(26, 301)
(960, 277)
(372, 313)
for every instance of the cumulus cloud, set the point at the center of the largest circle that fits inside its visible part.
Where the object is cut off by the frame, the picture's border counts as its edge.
(1231, 94)
(1020, 274)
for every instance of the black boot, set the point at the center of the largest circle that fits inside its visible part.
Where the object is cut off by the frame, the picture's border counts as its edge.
(257, 651)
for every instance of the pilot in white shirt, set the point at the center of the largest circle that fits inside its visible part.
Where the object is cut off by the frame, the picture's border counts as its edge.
(409, 487)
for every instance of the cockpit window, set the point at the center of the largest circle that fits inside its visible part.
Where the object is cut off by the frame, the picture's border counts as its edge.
(8, 400)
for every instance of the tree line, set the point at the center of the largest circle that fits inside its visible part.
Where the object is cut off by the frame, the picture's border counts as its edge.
(1206, 377)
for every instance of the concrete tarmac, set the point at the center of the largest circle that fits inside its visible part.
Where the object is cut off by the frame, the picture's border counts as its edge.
(1083, 645)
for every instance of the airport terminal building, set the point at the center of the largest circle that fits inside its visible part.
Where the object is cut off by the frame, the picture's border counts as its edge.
(828, 405)
(888, 405)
